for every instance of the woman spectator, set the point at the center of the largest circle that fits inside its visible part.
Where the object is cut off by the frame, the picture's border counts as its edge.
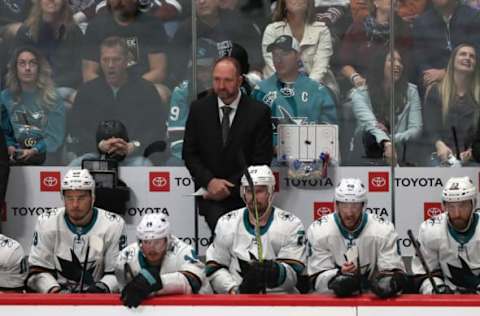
(364, 38)
(51, 29)
(454, 105)
(35, 108)
(372, 106)
(297, 19)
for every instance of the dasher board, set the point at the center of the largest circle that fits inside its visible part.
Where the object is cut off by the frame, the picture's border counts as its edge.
(307, 142)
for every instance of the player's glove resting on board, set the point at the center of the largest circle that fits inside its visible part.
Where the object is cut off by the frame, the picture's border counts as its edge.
(98, 287)
(141, 286)
(388, 284)
(259, 276)
(344, 285)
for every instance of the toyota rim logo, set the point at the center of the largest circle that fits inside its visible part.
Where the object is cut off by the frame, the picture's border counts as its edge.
(159, 181)
(50, 181)
(434, 211)
(378, 182)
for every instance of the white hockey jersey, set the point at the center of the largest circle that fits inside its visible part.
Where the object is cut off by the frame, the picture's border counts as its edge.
(283, 240)
(60, 247)
(181, 272)
(373, 244)
(13, 265)
(455, 255)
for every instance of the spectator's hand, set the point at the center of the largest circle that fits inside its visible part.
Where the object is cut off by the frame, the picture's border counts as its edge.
(218, 189)
(466, 155)
(432, 75)
(359, 81)
(382, 127)
(116, 146)
(443, 151)
(348, 267)
(389, 153)
(27, 153)
(11, 152)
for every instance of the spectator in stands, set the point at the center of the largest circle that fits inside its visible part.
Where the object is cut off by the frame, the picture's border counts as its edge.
(145, 38)
(372, 107)
(297, 19)
(454, 103)
(50, 28)
(292, 96)
(13, 265)
(436, 32)
(117, 95)
(407, 9)
(222, 26)
(363, 38)
(36, 110)
(12, 13)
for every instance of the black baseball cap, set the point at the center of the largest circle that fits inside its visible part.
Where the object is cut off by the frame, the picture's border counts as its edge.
(285, 42)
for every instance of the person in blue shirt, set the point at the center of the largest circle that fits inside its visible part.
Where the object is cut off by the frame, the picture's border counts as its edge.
(293, 97)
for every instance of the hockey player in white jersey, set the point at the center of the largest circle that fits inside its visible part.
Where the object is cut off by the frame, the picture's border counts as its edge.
(75, 247)
(157, 264)
(450, 243)
(351, 250)
(13, 265)
(241, 261)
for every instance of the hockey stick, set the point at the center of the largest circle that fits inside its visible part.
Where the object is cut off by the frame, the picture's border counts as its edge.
(359, 274)
(258, 237)
(84, 270)
(419, 254)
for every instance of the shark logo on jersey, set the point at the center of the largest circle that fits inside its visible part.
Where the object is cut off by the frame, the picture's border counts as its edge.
(72, 270)
(463, 277)
(269, 98)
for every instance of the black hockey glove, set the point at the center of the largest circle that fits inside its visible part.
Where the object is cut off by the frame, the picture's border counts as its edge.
(388, 284)
(141, 286)
(253, 280)
(344, 285)
(98, 287)
(271, 269)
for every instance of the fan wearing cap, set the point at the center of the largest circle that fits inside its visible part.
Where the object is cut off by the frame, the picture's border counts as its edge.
(158, 264)
(234, 262)
(13, 265)
(351, 251)
(75, 247)
(293, 96)
(450, 242)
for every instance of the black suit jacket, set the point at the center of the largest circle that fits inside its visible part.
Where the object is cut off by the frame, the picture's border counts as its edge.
(249, 143)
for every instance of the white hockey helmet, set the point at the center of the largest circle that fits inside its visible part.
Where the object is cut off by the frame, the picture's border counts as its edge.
(350, 190)
(261, 175)
(153, 226)
(459, 189)
(78, 179)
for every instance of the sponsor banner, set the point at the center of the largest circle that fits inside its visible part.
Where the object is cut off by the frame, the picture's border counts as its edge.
(35, 190)
(431, 209)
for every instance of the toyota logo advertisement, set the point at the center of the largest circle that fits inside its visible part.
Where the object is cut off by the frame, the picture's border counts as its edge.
(378, 181)
(321, 209)
(431, 209)
(159, 181)
(50, 181)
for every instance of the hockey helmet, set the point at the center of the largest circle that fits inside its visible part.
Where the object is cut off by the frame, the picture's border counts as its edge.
(459, 189)
(153, 226)
(78, 179)
(261, 175)
(351, 190)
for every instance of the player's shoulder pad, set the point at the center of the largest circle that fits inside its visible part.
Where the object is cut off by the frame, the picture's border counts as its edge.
(287, 217)
(231, 216)
(325, 225)
(9, 243)
(434, 222)
(381, 224)
(179, 247)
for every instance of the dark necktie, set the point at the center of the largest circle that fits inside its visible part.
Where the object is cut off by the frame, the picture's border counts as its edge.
(225, 123)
